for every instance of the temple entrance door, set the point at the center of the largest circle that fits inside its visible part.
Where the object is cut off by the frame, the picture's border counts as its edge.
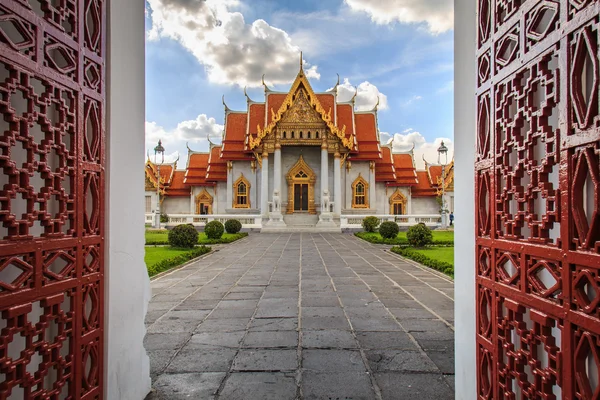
(300, 197)
(301, 188)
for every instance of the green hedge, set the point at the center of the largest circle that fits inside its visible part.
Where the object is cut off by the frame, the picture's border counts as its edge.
(377, 239)
(441, 266)
(223, 240)
(169, 263)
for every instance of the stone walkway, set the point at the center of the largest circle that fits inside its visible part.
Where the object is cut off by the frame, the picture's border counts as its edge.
(301, 316)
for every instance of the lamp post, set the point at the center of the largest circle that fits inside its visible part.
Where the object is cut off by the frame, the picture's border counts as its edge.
(158, 150)
(443, 159)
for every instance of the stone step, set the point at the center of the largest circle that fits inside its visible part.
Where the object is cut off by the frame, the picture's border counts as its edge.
(300, 229)
(300, 220)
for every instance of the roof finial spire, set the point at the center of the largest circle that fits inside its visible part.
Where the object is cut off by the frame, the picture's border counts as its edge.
(265, 85)
(354, 97)
(223, 100)
(148, 154)
(211, 144)
(300, 60)
(376, 104)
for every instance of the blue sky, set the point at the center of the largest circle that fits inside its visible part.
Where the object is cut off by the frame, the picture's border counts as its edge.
(199, 50)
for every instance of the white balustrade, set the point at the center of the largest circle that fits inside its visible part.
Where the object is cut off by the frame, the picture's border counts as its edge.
(355, 221)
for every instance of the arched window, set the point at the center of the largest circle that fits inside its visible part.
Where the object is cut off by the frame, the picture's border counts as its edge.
(241, 193)
(360, 197)
(204, 203)
(398, 203)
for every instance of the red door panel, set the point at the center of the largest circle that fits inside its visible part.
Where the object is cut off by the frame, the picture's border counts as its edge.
(51, 198)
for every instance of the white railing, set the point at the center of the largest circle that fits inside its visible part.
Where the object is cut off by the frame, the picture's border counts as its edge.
(248, 221)
(149, 218)
(355, 221)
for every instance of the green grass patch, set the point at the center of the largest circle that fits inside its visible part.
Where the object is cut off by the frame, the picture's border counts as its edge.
(438, 258)
(440, 238)
(159, 259)
(157, 237)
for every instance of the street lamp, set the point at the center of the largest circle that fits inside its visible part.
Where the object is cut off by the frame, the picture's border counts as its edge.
(158, 150)
(443, 159)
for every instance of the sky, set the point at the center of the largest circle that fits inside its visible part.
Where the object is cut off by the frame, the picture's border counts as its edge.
(201, 51)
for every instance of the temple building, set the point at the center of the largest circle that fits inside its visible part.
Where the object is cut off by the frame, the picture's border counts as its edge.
(299, 158)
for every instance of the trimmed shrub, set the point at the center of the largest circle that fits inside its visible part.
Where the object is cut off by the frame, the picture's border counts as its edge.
(370, 224)
(441, 266)
(389, 229)
(233, 226)
(214, 230)
(419, 235)
(185, 236)
(169, 263)
(164, 218)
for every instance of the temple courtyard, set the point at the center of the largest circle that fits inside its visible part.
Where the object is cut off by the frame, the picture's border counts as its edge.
(301, 316)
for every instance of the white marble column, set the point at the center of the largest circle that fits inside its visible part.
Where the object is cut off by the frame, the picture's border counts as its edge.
(229, 185)
(277, 169)
(192, 202)
(372, 187)
(264, 185)
(324, 171)
(337, 184)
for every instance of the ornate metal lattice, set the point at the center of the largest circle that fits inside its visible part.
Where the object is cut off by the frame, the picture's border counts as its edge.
(51, 198)
(538, 199)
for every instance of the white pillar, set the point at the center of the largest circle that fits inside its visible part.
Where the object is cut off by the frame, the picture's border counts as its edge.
(277, 170)
(192, 202)
(337, 184)
(229, 185)
(372, 188)
(264, 185)
(324, 171)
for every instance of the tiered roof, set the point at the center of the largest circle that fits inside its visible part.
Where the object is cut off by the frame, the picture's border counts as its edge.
(244, 131)
(430, 180)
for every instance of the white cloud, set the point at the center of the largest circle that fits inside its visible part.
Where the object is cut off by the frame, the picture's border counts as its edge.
(438, 14)
(402, 142)
(412, 100)
(366, 96)
(231, 50)
(174, 141)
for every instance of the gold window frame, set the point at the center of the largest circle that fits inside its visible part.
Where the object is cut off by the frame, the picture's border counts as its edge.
(398, 198)
(355, 184)
(236, 194)
(204, 198)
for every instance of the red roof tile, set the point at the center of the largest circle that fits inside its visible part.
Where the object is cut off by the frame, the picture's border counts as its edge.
(274, 102)
(234, 142)
(217, 167)
(345, 118)
(177, 186)
(384, 167)
(405, 170)
(436, 173)
(366, 138)
(257, 118)
(196, 169)
(423, 187)
(327, 101)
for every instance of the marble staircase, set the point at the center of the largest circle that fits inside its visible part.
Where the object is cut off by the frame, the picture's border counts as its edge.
(301, 222)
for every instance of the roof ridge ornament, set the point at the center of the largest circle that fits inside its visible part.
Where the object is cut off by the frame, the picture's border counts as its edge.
(353, 99)
(227, 109)
(335, 87)
(376, 105)
(248, 99)
(210, 144)
(267, 89)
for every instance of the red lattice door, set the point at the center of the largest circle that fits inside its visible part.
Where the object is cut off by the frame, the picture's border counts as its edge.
(51, 198)
(538, 199)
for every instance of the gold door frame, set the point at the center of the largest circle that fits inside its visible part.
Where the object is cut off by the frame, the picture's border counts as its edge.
(310, 179)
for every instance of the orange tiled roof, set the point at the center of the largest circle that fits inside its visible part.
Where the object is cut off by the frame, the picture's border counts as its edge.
(196, 169)
(217, 167)
(177, 188)
(234, 142)
(327, 101)
(257, 118)
(405, 170)
(166, 173)
(384, 168)
(424, 187)
(436, 173)
(366, 138)
(274, 102)
(345, 117)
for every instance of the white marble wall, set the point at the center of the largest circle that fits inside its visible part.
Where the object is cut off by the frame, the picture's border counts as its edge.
(425, 205)
(220, 201)
(175, 205)
(361, 168)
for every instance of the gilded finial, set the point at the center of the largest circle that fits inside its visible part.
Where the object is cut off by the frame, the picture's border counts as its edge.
(225, 105)
(376, 104)
(413, 148)
(353, 99)
(334, 88)
(301, 60)
(148, 154)
(188, 147)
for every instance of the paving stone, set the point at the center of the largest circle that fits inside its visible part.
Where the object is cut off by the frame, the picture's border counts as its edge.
(223, 325)
(337, 385)
(165, 341)
(202, 360)
(197, 305)
(237, 304)
(266, 360)
(332, 360)
(152, 316)
(328, 339)
(314, 323)
(375, 324)
(277, 311)
(443, 360)
(399, 360)
(320, 301)
(230, 340)
(273, 324)
(159, 360)
(445, 334)
(243, 296)
(272, 339)
(323, 312)
(411, 313)
(231, 313)
(403, 386)
(188, 386)
(423, 325)
(260, 385)
(437, 345)
(385, 340)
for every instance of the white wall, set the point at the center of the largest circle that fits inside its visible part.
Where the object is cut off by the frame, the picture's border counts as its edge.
(464, 204)
(175, 205)
(425, 205)
(361, 168)
(220, 200)
(127, 367)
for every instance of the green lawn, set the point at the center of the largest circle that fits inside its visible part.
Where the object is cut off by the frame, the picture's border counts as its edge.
(162, 237)
(445, 254)
(156, 254)
(441, 237)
